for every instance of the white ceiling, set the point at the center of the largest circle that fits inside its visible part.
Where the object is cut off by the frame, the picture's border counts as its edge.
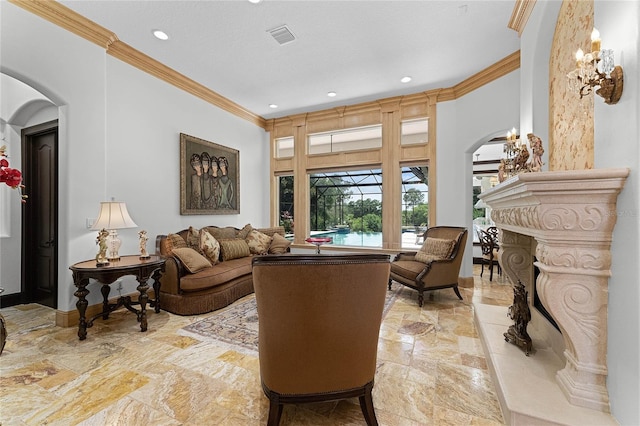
(359, 49)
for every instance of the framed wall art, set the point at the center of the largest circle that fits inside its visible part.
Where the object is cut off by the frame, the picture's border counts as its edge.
(209, 177)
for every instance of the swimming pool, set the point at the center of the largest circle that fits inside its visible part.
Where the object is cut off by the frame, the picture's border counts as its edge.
(365, 239)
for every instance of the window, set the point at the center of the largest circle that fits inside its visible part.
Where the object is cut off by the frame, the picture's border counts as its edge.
(347, 206)
(346, 140)
(415, 204)
(284, 147)
(415, 132)
(285, 203)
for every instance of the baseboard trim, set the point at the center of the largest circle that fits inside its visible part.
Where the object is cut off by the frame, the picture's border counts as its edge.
(466, 282)
(72, 318)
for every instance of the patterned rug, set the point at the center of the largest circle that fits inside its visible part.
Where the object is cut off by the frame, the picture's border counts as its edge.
(236, 325)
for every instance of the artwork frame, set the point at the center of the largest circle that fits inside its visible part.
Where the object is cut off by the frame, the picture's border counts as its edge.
(214, 191)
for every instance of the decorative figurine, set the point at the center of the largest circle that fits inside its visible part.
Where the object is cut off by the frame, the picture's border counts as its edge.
(143, 244)
(101, 258)
(536, 147)
(521, 315)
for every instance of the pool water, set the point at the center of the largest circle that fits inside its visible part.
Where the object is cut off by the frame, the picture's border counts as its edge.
(366, 239)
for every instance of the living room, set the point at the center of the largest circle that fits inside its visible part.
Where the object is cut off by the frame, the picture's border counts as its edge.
(117, 140)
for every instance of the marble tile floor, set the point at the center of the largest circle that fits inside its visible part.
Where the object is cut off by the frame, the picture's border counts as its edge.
(431, 370)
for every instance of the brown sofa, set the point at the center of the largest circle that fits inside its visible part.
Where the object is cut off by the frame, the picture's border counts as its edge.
(186, 293)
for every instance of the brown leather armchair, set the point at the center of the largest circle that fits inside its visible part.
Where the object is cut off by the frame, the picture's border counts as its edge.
(436, 273)
(319, 322)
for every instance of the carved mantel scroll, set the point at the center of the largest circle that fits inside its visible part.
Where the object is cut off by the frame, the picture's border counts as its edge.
(567, 217)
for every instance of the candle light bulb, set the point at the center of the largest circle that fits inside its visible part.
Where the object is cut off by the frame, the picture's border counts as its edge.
(595, 41)
(579, 57)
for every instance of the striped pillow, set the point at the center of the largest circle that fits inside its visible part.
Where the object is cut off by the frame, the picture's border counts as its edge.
(234, 249)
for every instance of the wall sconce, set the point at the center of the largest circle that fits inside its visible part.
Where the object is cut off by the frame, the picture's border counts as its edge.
(596, 69)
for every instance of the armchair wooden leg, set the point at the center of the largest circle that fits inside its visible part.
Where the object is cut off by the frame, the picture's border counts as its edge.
(366, 404)
(457, 292)
(390, 283)
(275, 411)
(420, 298)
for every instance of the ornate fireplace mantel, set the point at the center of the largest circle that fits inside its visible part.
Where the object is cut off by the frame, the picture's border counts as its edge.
(567, 217)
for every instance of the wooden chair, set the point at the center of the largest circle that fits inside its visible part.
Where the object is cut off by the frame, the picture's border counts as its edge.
(435, 272)
(489, 246)
(318, 325)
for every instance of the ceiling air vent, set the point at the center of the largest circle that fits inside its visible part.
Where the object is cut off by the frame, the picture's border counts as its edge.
(282, 35)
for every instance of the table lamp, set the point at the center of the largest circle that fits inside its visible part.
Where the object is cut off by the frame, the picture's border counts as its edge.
(113, 216)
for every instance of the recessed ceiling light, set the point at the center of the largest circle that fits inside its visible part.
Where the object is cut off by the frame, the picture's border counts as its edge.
(331, 94)
(160, 35)
(405, 79)
(255, 1)
(274, 106)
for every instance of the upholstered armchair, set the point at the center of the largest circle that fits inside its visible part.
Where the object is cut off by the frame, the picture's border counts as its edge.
(318, 325)
(436, 265)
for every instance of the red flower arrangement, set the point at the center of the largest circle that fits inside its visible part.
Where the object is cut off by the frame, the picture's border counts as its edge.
(12, 177)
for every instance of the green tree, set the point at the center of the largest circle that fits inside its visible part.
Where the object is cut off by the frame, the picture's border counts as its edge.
(412, 198)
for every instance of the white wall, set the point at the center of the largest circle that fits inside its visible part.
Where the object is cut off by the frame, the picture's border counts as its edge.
(119, 137)
(617, 137)
(617, 144)
(464, 125)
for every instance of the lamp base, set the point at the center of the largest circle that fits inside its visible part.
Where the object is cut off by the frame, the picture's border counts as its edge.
(113, 245)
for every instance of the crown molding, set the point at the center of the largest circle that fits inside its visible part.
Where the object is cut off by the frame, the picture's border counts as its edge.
(487, 75)
(66, 18)
(520, 15)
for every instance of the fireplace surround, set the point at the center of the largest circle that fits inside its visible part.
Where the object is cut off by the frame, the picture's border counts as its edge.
(565, 220)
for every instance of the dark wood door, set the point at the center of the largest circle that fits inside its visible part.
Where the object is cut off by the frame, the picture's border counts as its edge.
(40, 214)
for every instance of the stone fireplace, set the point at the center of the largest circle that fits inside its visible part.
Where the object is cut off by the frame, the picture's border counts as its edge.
(564, 220)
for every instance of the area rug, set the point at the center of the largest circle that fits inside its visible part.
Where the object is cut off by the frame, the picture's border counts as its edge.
(236, 326)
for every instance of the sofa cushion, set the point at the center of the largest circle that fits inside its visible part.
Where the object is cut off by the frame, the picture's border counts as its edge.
(258, 242)
(234, 249)
(279, 244)
(223, 233)
(244, 232)
(222, 273)
(175, 241)
(435, 248)
(209, 246)
(193, 239)
(191, 259)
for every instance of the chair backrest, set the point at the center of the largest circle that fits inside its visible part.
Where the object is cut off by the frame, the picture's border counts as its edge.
(486, 242)
(319, 320)
(456, 233)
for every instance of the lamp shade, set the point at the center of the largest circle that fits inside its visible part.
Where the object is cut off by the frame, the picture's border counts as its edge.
(113, 215)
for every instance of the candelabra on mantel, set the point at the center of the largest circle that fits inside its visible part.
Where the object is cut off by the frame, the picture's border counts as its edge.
(516, 156)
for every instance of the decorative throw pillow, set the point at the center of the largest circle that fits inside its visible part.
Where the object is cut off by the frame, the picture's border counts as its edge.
(426, 258)
(191, 259)
(209, 246)
(435, 248)
(193, 239)
(279, 244)
(175, 241)
(225, 233)
(258, 242)
(234, 249)
(244, 232)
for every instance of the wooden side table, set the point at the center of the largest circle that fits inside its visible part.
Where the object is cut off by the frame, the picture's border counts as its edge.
(143, 269)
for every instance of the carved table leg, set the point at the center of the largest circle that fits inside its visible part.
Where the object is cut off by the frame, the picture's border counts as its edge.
(81, 304)
(105, 290)
(143, 299)
(156, 289)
